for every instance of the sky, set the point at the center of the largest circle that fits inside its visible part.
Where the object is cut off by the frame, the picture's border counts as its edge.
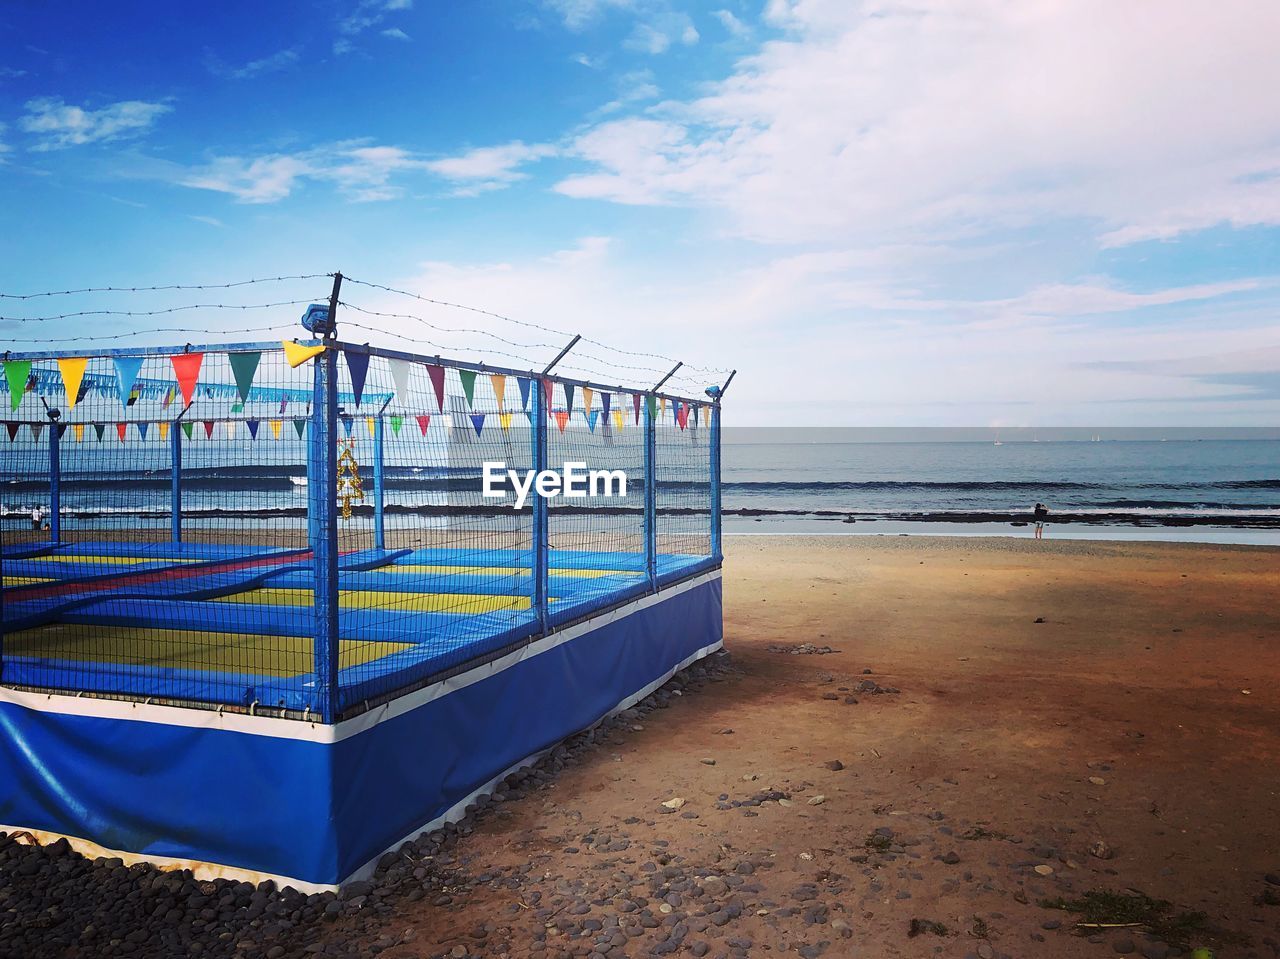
(881, 214)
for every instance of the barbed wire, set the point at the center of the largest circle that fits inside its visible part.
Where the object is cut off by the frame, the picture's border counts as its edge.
(447, 329)
(171, 309)
(137, 333)
(153, 289)
(525, 323)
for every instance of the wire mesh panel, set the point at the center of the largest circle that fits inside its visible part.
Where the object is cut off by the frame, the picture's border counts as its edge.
(682, 467)
(163, 489)
(596, 522)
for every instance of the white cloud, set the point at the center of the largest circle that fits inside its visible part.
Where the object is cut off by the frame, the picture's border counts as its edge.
(366, 15)
(57, 124)
(210, 220)
(578, 14)
(257, 180)
(892, 121)
(395, 33)
(488, 168)
(280, 60)
(733, 26)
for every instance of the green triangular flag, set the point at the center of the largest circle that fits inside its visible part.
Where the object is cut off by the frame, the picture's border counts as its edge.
(244, 365)
(187, 427)
(17, 372)
(300, 427)
(468, 378)
(396, 423)
(653, 406)
(99, 428)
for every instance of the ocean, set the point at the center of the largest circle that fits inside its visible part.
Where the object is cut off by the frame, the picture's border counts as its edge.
(1211, 486)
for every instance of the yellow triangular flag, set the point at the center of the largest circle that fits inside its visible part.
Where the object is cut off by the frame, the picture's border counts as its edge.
(275, 429)
(619, 421)
(72, 370)
(663, 404)
(505, 420)
(587, 393)
(368, 421)
(499, 381)
(164, 430)
(79, 430)
(297, 354)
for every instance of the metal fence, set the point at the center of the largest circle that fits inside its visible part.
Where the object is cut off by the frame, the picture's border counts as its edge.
(304, 527)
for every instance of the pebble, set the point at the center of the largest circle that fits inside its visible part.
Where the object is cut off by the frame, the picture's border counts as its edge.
(1043, 870)
(817, 800)
(674, 804)
(985, 951)
(707, 761)
(834, 765)
(1097, 780)
(1100, 850)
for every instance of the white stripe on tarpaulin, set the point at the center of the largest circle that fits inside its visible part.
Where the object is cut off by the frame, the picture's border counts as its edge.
(296, 729)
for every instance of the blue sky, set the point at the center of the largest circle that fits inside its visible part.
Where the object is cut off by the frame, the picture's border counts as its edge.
(881, 213)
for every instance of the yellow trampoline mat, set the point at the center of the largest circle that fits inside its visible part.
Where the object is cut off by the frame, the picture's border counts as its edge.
(506, 571)
(253, 653)
(108, 560)
(25, 580)
(388, 599)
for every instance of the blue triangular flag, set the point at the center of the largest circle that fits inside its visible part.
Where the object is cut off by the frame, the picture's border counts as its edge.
(604, 402)
(568, 397)
(523, 383)
(127, 370)
(477, 420)
(591, 419)
(358, 366)
(346, 424)
(253, 428)
(142, 429)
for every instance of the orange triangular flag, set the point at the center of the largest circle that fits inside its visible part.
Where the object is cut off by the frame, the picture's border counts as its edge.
(562, 419)
(187, 366)
(499, 381)
(587, 393)
(72, 370)
(296, 354)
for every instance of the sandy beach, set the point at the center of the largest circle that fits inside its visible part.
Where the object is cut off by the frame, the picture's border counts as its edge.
(1053, 696)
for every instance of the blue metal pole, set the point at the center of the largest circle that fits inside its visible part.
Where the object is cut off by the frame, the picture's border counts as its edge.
(175, 481)
(650, 493)
(55, 483)
(322, 509)
(379, 485)
(716, 519)
(541, 537)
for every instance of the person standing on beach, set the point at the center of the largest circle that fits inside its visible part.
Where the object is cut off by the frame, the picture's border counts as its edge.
(1041, 514)
(37, 516)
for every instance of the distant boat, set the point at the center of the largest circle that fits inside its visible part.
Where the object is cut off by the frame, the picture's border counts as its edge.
(997, 442)
(298, 480)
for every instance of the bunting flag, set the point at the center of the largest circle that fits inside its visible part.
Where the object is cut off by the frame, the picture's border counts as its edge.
(100, 429)
(675, 412)
(253, 428)
(437, 382)
(208, 429)
(135, 394)
(682, 416)
(477, 419)
(188, 427)
(400, 377)
(423, 422)
(300, 427)
(243, 367)
(635, 397)
(164, 431)
(468, 378)
(12, 430)
(618, 420)
(653, 407)
(358, 367)
(397, 421)
(523, 383)
(78, 429)
(562, 419)
(187, 366)
(142, 429)
(663, 402)
(72, 370)
(276, 426)
(127, 369)
(587, 394)
(36, 430)
(504, 420)
(499, 381)
(568, 397)
(591, 419)
(169, 395)
(120, 428)
(16, 372)
(549, 387)
(296, 354)
(371, 425)
(347, 423)
(605, 400)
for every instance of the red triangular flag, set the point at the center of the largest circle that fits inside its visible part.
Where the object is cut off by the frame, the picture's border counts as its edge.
(120, 428)
(562, 418)
(437, 380)
(187, 366)
(424, 421)
(208, 429)
(635, 398)
(549, 387)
